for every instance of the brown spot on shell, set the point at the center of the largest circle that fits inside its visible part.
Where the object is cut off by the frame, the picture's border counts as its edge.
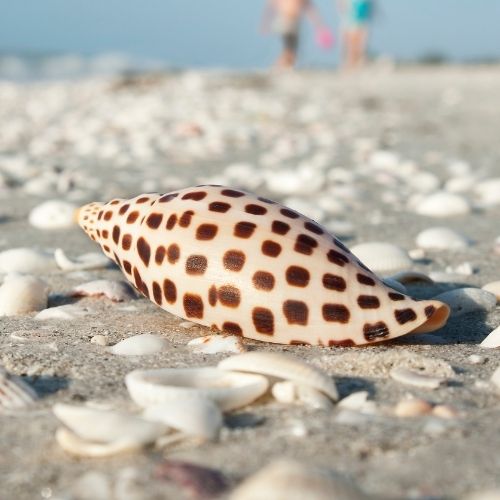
(244, 229)
(396, 296)
(297, 276)
(375, 331)
(212, 295)
(160, 254)
(405, 315)
(132, 217)
(219, 206)
(337, 313)
(232, 193)
(154, 220)
(263, 320)
(195, 195)
(365, 280)
(157, 293)
(196, 264)
(108, 215)
(280, 227)
(206, 232)
(173, 253)
(116, 234)
(168, 197)
(368, 302)
(171, 221)
(126, 241)
(234, 260)
(229, 296)
(144, 250)
(232, 328)
(289, 213)
(271, 248)
(334, 282)
(429, 311)
(341, 343)
(337, 258)
(262, 280)
(143, 199)
(169, 291)
(296, 312)
(185, 219)
(305, 244)
(193, 305)
(254, 209)
(123, 208)
(313, 227)
(127, 266)
(105, 234)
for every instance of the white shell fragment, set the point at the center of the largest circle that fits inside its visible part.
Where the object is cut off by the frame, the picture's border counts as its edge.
(283, 367)
(492, 341)
(22, 294)
(26, 260)
(15, 394)
(286, 479)
(168, 385)
(416, 379)
(84, 262)
(198, 416)
(355, 401)
(289, 392)
(140, 345)
(494, 288)
(443, 204)
(115, 290)
(67, 312)
(213, 344)
(467, 300)
(53, 214)
(442, 238)
(382, 257)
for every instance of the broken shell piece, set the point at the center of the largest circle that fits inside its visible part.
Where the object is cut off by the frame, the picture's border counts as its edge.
(212, 344)
(313, 398)
(286, 479)
(382, 257)
(411, 277)
(414, 407)
(53, 214)
(467, 300)
(410, 377)
(101, 340)
(67, 312)
(22, 294)
(355, 401)
(442, 238)
(494, 288)
(284, 392)
(117, 291)
(283, 367)
(84, 262)
(92, 429)
(140, 345)
(26, 260)
(492, 341)
(476, 359)
(15, 394)
(198, 416)
(229, 390)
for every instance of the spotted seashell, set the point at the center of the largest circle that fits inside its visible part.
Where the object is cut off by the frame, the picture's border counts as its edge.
(248, 266)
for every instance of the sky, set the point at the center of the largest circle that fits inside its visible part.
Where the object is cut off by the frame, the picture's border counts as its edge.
(225, 33)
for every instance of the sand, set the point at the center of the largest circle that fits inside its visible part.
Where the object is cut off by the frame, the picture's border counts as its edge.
(431, 116)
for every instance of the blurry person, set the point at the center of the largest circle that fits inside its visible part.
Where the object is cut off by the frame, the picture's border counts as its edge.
(355, 19)
(285, 16)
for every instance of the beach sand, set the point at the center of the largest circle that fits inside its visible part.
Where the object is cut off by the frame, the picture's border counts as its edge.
(124, 136)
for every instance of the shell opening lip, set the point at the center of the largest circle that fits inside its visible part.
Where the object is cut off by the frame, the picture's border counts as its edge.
(437, 320)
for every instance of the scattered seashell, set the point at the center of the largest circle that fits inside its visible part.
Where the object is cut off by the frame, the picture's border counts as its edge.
(85, 262)
(411, 377)
(213, 344)
(229, 390)
(445, 277)
(445, 411)
(476, 359)
(22, 294)
(467, 300)
(382, 257)
(414, 407)
(492, 341)
(101, 340)
(117, 291)
(140, 345)
(15, 394)
(67, 312)
(53, 214)
(198, 416)
(411, 277)
(284, 367)
(187, 324)
(464, 269)
(355, 401)
(200, 482)
(286, 479)
(284, 392)
(26, 260)
(443, 204)
(488, 191)
(442, 238)
(416, 253)
(494, 288)
(495, 378)
(313, 398)
(92, 430)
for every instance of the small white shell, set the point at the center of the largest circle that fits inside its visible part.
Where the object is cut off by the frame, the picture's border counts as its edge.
(198, 416)
(140, 345)
(84, 262)
(284, 367)
(213, 344)
(67, 312)
(488, 191)
(442, 204)
(289, 392)
(355, 401)
(15, 394)
(26, 260)
(492, 341)
(466, 300)
(228, 390)
(442, 238)
(494, 288)
(382, 257)
(115, 290)
(413, 407)
(416, 379)
(22, 294)
(53, 214)
(286, 479)
(108, 426)
(284, 392)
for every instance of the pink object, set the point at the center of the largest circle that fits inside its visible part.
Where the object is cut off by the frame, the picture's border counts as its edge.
(324, 38)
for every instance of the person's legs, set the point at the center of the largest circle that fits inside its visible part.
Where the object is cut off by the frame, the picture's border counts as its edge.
(289, 54)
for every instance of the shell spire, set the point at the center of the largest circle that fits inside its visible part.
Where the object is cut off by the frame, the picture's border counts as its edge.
(248, 266)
